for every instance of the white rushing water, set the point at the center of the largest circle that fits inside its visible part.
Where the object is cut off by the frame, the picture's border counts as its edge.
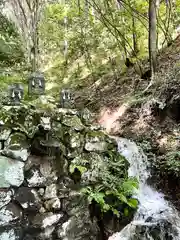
(155, 218)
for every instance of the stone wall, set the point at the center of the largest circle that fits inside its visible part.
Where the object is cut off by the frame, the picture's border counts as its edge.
(39, 181)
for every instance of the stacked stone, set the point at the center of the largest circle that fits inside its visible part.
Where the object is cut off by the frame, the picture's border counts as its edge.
(38, 197)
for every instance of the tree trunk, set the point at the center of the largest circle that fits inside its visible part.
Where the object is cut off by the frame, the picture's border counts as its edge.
(152, 36)
(134, 32)
(135, 46)
(35, 40)
(152, 41)
(123, 31)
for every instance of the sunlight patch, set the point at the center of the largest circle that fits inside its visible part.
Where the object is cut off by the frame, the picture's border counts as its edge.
(108, 118)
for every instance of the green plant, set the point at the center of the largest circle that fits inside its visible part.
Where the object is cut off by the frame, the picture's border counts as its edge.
(114, 188)
(110, 198)
(172, 163)
(80, 168)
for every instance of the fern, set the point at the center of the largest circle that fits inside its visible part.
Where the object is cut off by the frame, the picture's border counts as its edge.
(100, 192)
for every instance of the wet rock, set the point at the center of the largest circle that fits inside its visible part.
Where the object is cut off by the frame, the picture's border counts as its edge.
(87, 116)
(96, 141)
(64, 187)
(34, 178)
(97, 146)
(67, 181)
(28, 198)
(21, 154)
(79, 226)
(46, 220)
(50, 192)
(11, 172)
(17, 147)
(53, 204)
(155, 229)
(4, 133)
(160, 229)
(8, 235)
(9, 214)
(47, 233)
(74, 122)
(40, 171)
(47, 188)
(5, 197)
(76, 140)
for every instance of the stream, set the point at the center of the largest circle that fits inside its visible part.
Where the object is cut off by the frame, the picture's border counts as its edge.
(155, 218)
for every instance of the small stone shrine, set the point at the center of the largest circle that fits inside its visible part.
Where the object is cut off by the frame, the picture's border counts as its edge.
(36, 83)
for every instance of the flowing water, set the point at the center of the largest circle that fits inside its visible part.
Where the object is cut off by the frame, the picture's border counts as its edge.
(155, 218)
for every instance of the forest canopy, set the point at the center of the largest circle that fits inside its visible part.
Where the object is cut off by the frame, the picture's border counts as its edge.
(70, 40)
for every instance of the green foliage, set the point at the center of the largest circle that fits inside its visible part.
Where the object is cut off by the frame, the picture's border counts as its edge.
(119, 194)
(10, 43)
(172, 162)
(95, 35)
(80, 168)
(114, 188)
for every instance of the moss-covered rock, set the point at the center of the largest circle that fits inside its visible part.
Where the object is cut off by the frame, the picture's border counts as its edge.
(76, 139)
(87, 117)
(4, 133)
(73, 122)
(98, 141)
(63, 144)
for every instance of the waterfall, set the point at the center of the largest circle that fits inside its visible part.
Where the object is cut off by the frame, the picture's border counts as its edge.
(155, 218)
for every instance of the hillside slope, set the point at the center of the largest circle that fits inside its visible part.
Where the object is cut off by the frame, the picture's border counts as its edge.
(152, 119)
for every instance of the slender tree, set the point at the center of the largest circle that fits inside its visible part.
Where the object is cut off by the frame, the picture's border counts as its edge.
(152, 40)
(134, 32)
(152, 36)
(26, 16)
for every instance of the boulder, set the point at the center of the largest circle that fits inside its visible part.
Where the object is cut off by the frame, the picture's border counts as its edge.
(53, 204)
(46, 220)
(28, 198)
(50, 192)
(17, 147)
(76, 140)
(40, 171)
(10, 234)
(11, 172)
(79, 225)
(97, 141)
(73, 122)
(4, 133)
(5, 197)
(9, 214)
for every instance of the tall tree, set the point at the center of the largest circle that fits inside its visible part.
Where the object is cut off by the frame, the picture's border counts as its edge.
(134, 31)
(26, 16)
(152, 38)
